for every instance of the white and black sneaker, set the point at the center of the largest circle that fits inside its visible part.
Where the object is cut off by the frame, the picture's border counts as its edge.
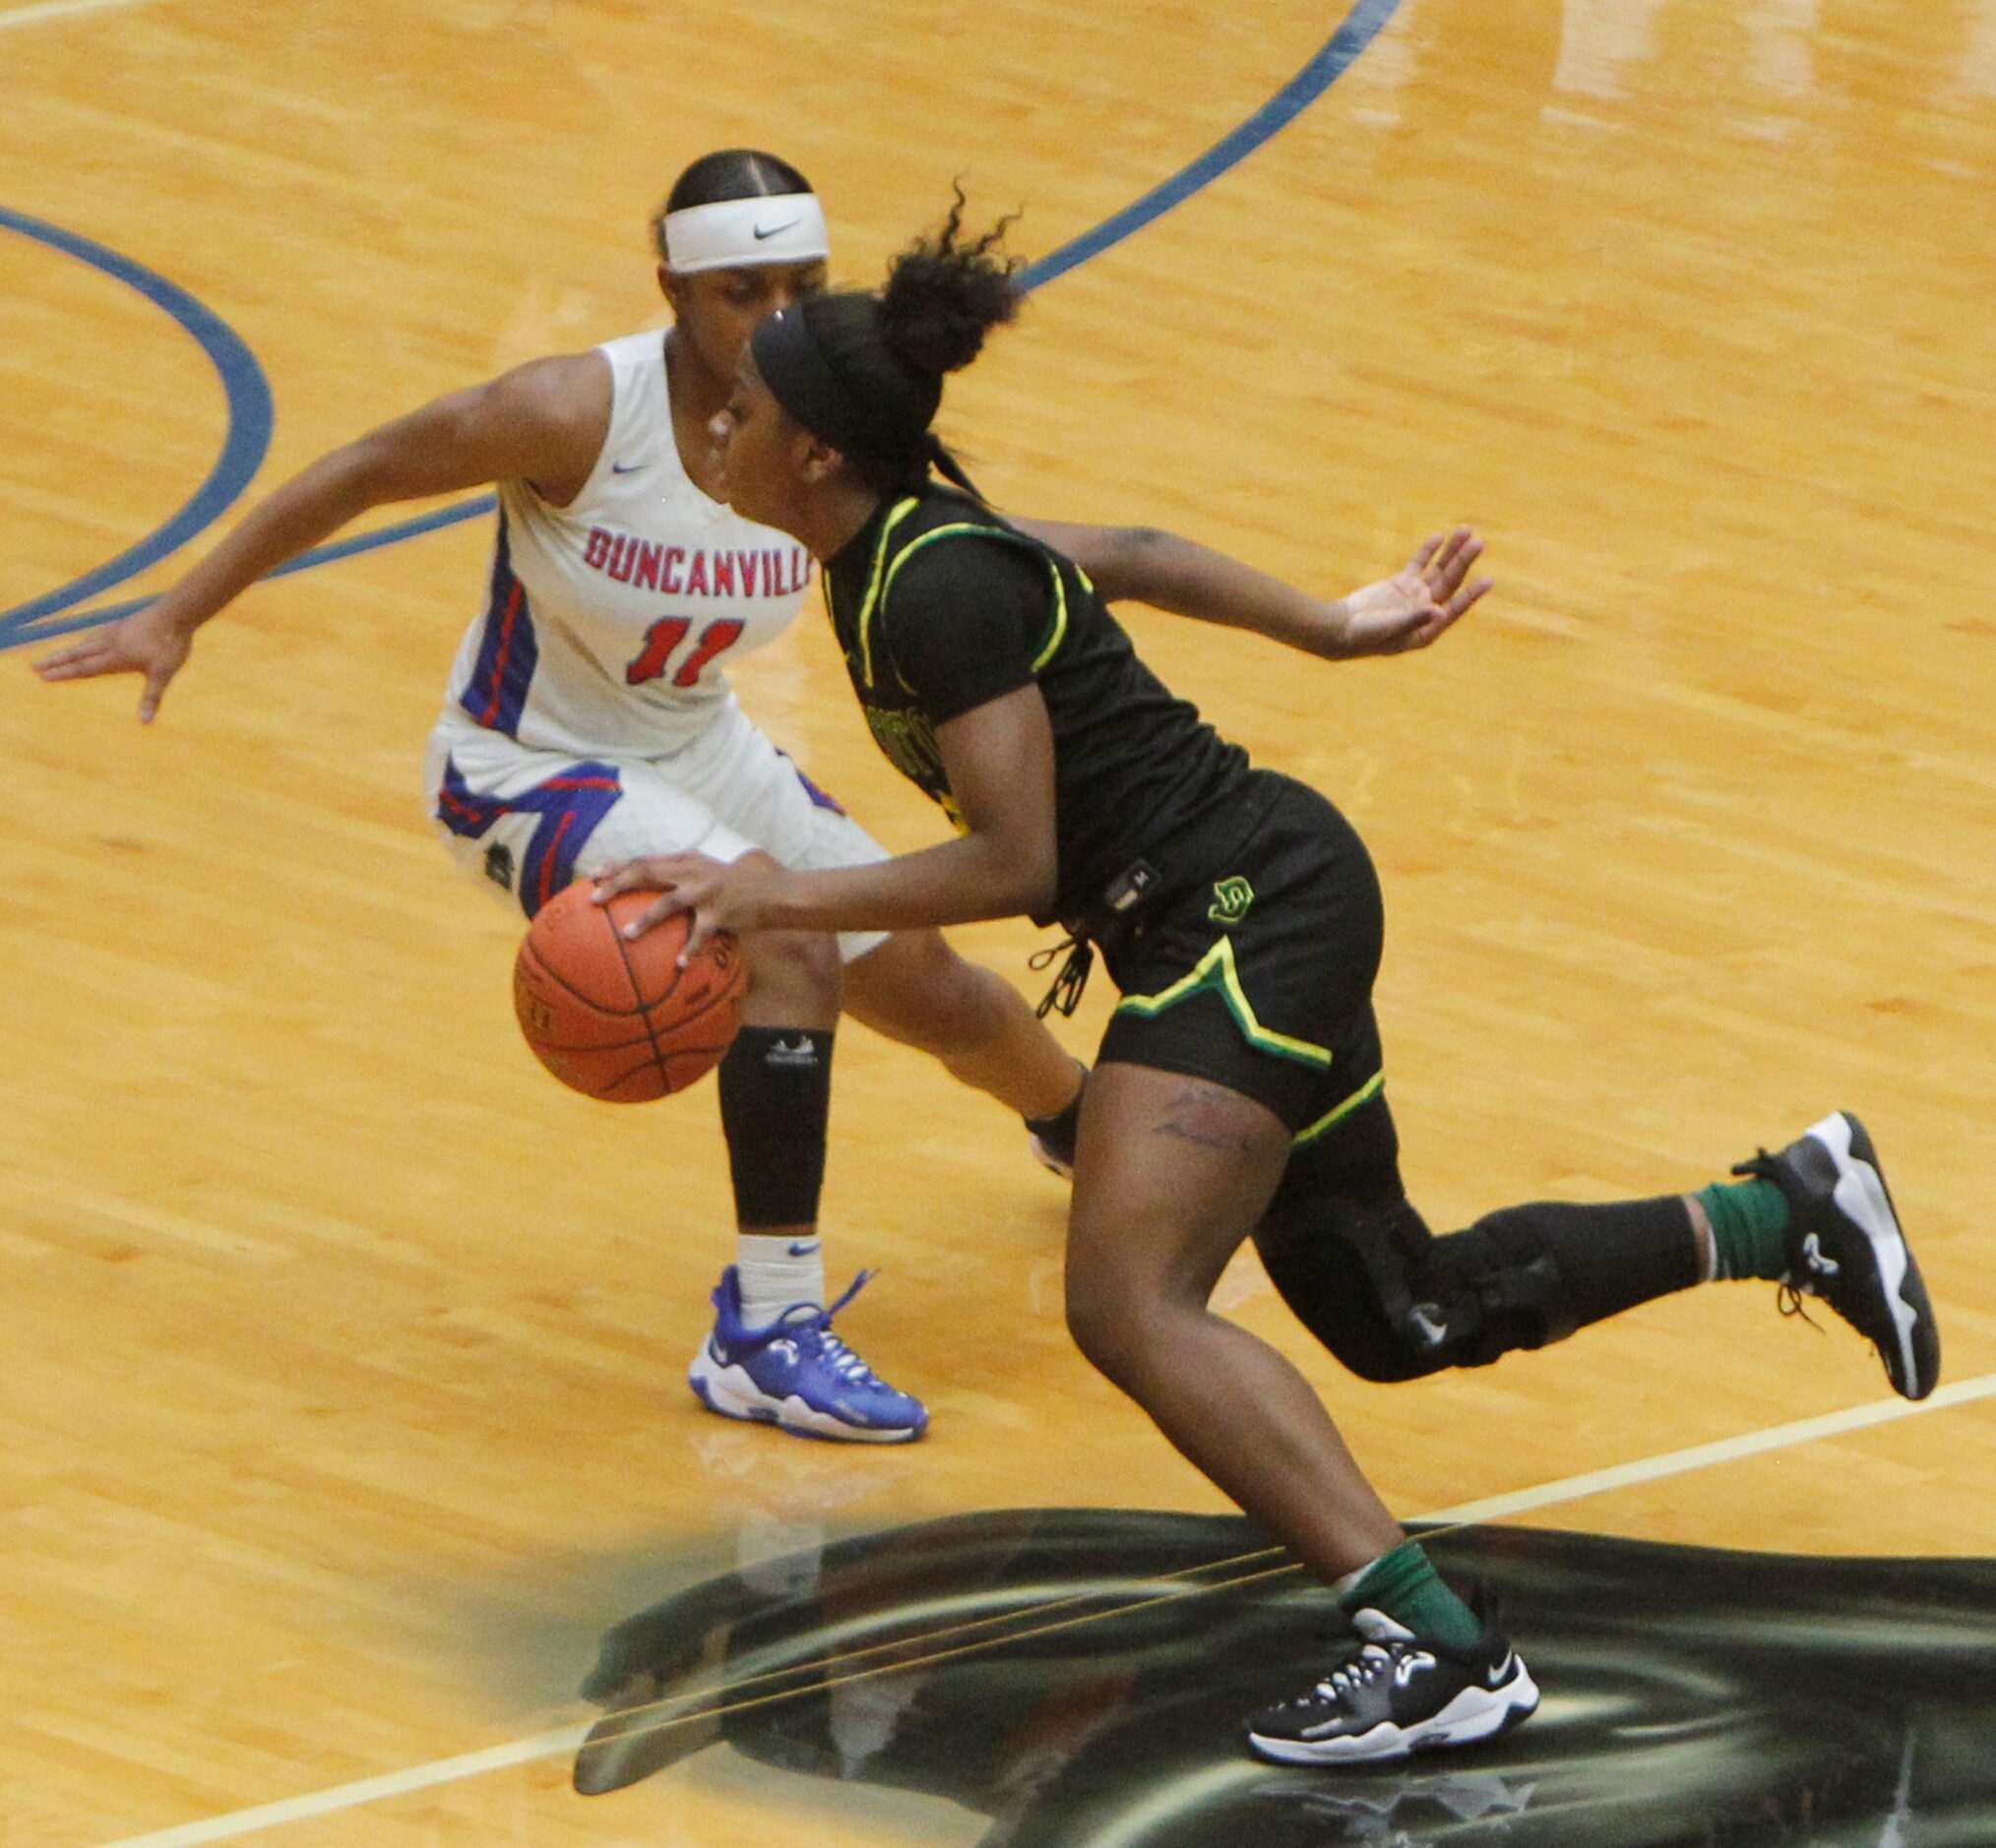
(1845, 1247)
(1052, 1138)
(1399, 1693)
(1054, 1151)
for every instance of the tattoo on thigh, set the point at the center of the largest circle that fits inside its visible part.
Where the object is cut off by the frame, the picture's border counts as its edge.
(1205, 1116)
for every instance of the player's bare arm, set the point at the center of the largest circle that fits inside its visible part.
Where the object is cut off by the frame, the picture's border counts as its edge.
(999, 758)
(543, 422)
(1412, 609)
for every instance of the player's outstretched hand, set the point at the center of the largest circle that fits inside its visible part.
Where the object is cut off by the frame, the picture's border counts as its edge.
(722, 897)
(147, 642)
(1419, 605)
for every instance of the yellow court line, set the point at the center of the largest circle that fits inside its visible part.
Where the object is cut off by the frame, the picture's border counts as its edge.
(568, 1739)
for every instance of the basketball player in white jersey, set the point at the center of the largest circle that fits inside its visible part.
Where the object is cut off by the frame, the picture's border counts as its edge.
(589, 722)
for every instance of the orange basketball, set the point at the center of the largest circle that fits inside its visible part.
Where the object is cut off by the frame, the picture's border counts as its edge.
(618, 1018)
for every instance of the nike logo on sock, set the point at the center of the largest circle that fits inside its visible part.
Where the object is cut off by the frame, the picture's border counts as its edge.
(804, 1248)
(1428, 1323)
(625, 468)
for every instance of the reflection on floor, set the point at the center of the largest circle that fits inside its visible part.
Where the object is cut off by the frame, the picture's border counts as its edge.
(1078, 1677)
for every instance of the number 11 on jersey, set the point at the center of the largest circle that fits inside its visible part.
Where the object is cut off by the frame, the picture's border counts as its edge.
(665, 635)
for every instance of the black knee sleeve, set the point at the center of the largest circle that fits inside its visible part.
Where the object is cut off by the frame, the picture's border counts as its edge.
(1530, 1276)
(1344, 1269)
(1392, 1302)
(1340, 1241)
(776, 1097)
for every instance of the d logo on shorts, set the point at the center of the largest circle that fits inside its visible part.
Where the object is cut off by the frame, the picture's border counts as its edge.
(1231, 900)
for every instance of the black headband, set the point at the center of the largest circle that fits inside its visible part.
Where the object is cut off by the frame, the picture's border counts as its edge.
(862, 403)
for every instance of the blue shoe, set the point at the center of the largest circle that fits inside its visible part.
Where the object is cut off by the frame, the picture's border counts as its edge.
(798, 1374)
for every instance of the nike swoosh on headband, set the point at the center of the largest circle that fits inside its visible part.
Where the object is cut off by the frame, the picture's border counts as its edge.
(762, 231)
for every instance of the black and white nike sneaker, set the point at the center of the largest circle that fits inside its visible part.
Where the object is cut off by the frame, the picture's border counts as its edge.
(1050, 1148)
(1846, 1247)
(1397, 1694)
(1052, 1138)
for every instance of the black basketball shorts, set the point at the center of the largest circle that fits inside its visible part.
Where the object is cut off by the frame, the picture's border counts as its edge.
(1257, 973)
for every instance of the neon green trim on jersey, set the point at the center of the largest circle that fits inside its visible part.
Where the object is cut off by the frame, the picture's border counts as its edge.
(876, 587)
(1216, 973)
(915, 545)
(1331, 1119)
(1058, 634)
(883, 583)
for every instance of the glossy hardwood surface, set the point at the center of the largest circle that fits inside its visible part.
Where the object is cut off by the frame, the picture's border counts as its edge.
(344, 1404)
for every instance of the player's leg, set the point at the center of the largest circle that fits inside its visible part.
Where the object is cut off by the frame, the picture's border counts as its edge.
(532, 823)
(1259, 985)
(911, 986)
(1355, 1262)
(1171, 1176)
(1173, 1172)
(1358, 1266)
(772, 1356)
(916, 990)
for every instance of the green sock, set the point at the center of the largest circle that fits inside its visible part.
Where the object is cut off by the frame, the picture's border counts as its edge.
(1405, 1585)
(1747, 1224)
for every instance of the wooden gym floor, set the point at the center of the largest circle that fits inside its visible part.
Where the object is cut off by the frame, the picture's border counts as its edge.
(344, 1404)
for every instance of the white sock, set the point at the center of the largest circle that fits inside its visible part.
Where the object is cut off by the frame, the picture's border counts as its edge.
(776, 1272)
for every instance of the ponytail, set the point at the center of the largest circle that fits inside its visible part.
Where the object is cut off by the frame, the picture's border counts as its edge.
(865, 372)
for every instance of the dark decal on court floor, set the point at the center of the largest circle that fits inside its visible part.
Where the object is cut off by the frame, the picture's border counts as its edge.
(1079, 1676)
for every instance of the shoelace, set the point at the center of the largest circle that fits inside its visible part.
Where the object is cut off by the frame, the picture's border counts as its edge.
(808, 1320)
(1357, 1673)
(842, 1360)
(1816, 1277)
(1790, 1296)
(1790, 1300)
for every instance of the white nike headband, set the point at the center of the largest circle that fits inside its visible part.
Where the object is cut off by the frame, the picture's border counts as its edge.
(733, 233)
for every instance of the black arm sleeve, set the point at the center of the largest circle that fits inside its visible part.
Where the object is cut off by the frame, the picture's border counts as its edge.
(963, 621)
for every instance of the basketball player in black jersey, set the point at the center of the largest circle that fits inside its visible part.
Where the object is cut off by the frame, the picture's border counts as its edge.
(1238, 1092)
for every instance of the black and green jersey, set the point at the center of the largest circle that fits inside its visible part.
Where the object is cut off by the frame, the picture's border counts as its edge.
(941, 607)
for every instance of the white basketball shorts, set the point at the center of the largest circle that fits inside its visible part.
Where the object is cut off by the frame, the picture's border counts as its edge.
(533, 821)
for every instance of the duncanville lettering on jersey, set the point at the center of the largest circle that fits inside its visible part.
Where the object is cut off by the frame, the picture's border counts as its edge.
(647, 565)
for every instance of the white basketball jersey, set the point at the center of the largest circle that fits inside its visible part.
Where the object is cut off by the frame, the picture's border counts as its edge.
(608, 622)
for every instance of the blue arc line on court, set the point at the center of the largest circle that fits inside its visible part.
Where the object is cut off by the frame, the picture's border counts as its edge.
(1361, 26)
(332, 549)
(251, 418)
(249, 438)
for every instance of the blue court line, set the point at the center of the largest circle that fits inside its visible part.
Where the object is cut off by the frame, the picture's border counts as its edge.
(454, 515)
(251, 418)
(249, 394)
(1361, 26)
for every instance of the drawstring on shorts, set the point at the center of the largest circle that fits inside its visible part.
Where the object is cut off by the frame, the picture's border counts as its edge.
(1066, 992)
